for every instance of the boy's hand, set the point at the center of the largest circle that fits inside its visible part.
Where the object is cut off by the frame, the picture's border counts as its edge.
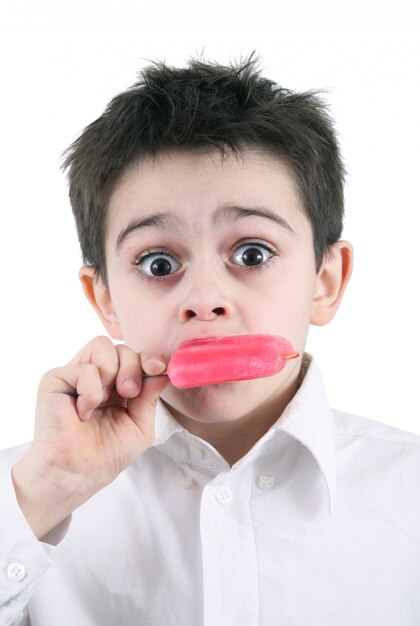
(94, 417)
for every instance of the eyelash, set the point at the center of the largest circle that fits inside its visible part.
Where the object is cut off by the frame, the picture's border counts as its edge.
(251, 268)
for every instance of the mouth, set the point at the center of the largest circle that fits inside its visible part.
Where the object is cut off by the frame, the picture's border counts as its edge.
(201, 361)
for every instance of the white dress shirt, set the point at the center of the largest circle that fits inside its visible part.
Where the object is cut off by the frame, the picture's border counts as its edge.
(318, 525)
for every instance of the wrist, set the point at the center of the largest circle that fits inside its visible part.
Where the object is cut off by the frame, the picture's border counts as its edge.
(43, 496)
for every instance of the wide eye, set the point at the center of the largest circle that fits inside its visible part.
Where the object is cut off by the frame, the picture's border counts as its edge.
(250, 254)
(158, 264)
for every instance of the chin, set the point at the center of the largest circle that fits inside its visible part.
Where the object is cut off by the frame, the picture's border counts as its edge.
(216, 403)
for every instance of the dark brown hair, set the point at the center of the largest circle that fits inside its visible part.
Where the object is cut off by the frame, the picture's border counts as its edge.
(206, 106)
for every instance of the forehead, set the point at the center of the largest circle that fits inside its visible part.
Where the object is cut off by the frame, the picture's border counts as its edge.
(195, 186)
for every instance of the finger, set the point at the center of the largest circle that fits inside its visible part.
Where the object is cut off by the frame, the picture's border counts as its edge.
(102, 353)
(142, 409)
(81, 381)
(128, 381)
(153, 363)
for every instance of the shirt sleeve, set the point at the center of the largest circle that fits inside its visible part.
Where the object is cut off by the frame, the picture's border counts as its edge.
(23, 558)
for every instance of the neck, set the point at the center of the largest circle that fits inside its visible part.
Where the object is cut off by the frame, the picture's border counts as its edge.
(234, 439)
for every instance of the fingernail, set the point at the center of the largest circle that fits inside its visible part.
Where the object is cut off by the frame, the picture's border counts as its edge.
(88, 415)
(130, 384)
(155, 365)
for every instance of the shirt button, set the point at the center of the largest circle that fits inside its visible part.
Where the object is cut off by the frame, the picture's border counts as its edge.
(265, 482)
(16, 571)
(185, 482)
(196, 453)
(223, 495)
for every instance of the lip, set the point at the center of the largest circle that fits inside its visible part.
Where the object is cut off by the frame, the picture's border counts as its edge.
(203, 336)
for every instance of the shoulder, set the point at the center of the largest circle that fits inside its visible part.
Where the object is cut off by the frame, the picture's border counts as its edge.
(372, 445)
(355, 426)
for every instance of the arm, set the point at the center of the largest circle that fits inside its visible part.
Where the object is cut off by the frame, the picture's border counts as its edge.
(23, 559)
(88, 428)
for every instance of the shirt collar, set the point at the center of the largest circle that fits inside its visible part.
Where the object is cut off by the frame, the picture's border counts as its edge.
(165, 425)
(307, 418)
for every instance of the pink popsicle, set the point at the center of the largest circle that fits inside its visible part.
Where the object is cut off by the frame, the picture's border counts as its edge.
(216, 360)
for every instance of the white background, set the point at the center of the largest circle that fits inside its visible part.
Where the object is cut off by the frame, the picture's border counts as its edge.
(61, 64)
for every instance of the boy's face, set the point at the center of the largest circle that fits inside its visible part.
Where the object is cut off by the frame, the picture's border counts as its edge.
(220, 248)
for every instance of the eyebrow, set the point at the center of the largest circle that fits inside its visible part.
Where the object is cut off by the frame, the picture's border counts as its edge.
(170, 221)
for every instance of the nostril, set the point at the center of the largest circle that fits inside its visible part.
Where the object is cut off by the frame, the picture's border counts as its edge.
(190, 313)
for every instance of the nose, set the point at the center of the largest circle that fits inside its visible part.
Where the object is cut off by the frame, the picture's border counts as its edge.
(207, 300)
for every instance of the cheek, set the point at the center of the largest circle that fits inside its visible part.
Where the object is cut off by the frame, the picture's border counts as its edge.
(141, 330)
(289, 308)
(142, 324)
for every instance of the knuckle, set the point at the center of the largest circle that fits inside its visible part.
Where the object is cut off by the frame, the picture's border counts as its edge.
(127, 357)
(124, 349)
(89, 369)
(49, 377)
(98, 345)
(90, 375)
(103, 341)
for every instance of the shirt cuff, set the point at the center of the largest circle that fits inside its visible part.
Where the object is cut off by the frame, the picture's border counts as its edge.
(23, 559)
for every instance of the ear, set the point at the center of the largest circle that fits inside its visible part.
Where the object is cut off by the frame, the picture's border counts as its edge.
(331, 282)
(100, 298)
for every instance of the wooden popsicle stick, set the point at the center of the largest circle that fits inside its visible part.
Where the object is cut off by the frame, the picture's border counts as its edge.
(292, 355)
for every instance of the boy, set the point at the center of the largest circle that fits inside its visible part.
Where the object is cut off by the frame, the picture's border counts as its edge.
(208, 203)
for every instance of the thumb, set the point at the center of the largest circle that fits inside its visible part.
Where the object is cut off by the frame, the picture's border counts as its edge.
(142, 408)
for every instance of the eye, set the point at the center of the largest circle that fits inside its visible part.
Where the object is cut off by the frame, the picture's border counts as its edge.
(252, 254)
(157, 264)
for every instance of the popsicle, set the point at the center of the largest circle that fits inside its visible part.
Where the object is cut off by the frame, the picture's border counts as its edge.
(214, 360)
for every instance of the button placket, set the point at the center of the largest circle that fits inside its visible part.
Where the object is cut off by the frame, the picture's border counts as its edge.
(229, 547)
(223, 495)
